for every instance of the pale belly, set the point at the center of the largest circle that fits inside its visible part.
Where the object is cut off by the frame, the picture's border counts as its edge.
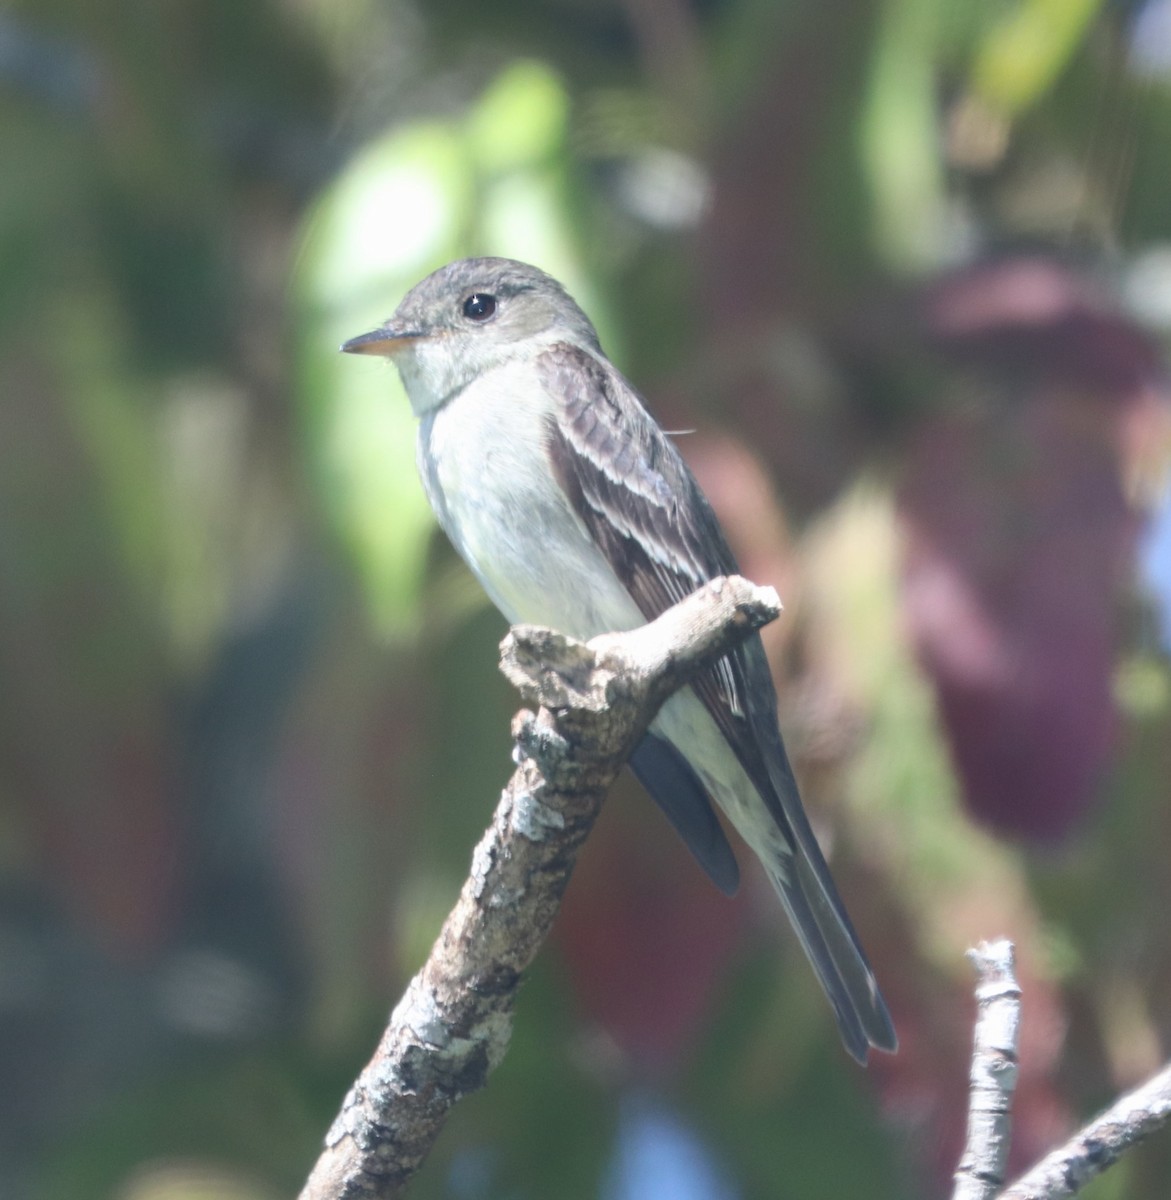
(494, 493)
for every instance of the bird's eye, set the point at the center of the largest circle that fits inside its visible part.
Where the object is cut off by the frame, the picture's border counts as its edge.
(479, 306)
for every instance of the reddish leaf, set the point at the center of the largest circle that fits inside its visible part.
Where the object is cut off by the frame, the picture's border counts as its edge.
(1020, 534)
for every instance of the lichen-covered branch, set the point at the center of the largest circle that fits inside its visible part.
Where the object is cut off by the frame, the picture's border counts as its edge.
(980, 1175)
(1100, 1144)
(451, 1028)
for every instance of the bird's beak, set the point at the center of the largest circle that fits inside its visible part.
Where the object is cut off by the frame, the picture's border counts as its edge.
(384, 340)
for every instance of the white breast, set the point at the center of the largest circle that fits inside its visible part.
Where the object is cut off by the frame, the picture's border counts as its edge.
(484, 464)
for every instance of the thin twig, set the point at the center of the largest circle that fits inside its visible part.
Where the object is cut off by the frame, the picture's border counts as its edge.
(1100, 1144)
(980, 1175)
(452, 1026)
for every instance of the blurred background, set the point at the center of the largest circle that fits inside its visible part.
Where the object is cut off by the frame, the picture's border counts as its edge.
(903, 270)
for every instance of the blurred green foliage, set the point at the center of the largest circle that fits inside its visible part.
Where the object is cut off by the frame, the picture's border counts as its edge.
(417, 198)
(251, 719)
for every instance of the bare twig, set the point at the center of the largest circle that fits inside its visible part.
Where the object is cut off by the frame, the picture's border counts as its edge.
(1100, 1144)
(994, 1073)
(1064, 1173)
(452, 1026)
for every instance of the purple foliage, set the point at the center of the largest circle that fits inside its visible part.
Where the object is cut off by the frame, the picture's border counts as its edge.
(1021, 535)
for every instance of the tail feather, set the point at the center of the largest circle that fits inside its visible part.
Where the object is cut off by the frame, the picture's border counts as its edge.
(757, 792)
(837, 958)
(676, 789)
(801, 876)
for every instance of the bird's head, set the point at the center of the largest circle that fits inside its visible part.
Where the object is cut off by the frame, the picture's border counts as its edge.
(467, 318)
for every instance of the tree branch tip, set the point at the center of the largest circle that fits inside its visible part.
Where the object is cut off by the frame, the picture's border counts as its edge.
(996, 957)
(553, 670)
(769, 600)
(757, 604)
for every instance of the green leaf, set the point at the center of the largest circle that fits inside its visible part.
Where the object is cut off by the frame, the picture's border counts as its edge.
(899, 137)
(393, 216)
(1022, 55)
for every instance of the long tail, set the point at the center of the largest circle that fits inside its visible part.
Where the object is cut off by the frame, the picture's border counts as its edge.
(798, 869)
(765, 807)
(829, 940)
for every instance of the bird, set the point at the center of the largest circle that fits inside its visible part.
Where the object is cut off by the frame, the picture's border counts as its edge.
(574, 510)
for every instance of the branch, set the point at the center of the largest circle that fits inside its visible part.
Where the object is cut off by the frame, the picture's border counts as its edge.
(1064, 1173)
(994, 1073)
(1100, 1144)
(452, 1025)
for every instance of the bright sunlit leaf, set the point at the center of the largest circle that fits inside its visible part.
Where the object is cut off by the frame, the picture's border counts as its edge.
(1022, 55)
(899, 138)
(521, 119)
(391, 217)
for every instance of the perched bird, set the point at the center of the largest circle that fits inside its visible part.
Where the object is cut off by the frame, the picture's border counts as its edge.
(575, 511)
